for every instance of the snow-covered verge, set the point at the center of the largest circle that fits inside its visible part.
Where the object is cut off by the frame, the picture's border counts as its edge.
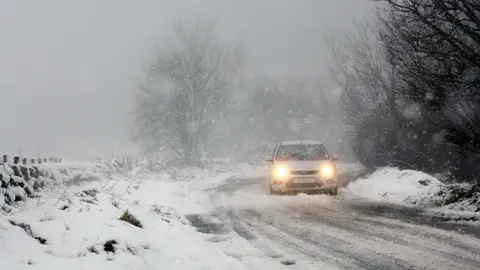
(19, 181)
(414, 188)
(139, 219)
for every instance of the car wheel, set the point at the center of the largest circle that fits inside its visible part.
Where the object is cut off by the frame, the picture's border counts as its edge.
(334, 192)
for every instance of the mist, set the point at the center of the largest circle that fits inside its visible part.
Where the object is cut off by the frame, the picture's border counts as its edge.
(68, 68)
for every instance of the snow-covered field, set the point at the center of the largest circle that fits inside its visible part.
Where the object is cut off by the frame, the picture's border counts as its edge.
(77, 225)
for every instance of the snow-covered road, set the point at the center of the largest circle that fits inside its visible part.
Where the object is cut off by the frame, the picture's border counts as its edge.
(322, 232)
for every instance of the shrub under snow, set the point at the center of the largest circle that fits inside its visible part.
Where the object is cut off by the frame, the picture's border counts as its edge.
(417, 188)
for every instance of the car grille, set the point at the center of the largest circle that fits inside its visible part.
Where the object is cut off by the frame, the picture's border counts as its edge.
(303, 185)
(303, 172)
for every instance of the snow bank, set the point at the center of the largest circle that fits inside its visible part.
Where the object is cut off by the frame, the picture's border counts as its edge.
(417, 188)
(396, 186)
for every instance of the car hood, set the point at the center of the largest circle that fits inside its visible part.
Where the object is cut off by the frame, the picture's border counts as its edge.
(303, 165)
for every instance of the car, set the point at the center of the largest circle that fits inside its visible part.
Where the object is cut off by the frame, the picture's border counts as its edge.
(302, 166)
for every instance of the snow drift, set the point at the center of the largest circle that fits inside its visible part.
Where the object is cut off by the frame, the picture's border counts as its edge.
(417, 188)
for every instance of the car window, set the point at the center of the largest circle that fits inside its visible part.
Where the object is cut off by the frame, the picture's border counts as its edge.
(301, 152)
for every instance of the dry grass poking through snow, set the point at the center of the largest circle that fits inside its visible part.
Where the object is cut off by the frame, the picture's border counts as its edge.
(127, 217)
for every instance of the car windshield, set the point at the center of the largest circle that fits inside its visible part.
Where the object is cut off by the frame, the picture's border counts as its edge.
(302, 152)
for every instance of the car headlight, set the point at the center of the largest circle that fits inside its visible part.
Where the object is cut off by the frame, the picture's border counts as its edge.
(327, 171)
(281, 172)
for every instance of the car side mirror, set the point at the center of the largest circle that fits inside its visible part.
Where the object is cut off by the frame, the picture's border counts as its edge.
(334, 157)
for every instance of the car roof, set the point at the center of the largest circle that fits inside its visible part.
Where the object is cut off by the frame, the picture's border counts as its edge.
(300, 142)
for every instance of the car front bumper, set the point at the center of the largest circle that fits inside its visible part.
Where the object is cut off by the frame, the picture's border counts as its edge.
(297, 184)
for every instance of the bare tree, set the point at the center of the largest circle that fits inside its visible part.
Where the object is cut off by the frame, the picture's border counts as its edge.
(411, 86)
(187, 88)
(361, 68)
(435, 46)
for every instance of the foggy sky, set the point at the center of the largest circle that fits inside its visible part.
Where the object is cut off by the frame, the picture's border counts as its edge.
(67, 68)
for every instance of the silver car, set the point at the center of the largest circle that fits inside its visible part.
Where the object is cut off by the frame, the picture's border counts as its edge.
(302, 166)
